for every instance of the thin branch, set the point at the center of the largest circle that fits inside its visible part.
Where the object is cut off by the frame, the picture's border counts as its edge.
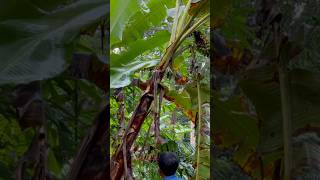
(145, 142)
(199, 129)
(287, 117)
(157, 122)
(76, 112)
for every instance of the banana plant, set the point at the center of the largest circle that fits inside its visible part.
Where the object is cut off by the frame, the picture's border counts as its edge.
(42, 38)
(44, 43)
(186, 22)
(274, 101)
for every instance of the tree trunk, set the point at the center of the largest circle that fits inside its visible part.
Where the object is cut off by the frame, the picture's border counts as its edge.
(139, 115)
(130, 135)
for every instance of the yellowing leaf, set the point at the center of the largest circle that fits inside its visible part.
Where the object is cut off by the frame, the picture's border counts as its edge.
(177, 63)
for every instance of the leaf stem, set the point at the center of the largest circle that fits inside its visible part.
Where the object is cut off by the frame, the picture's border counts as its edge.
(175, 23)
(198, 129)
(287, 116)
(285, 103)
(76, 111)
(183, 18)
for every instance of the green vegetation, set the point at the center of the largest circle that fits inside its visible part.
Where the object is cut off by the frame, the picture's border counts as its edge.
(266, 81)
(53, 83)
(69, 70)
(159, 72)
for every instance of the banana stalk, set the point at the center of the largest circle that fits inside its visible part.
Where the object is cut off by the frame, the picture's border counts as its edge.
(142, 109)
(198, 130)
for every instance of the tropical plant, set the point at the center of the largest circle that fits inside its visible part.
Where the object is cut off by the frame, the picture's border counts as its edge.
(265, 78)
(54, 80)
(159, 60)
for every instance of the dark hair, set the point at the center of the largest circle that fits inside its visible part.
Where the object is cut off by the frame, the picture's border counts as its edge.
(168, 163)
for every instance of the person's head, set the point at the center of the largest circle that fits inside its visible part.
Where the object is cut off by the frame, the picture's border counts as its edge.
(168, 163)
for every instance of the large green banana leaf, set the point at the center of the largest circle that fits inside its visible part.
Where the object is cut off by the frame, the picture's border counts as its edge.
(121, 11)
(264, 92)
(36, 47)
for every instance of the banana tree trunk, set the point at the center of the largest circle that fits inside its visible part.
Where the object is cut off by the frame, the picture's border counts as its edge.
(143, 107)
(139, 115)
(142, 110)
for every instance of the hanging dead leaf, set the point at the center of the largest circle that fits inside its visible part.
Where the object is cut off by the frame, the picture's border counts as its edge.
(180, 80)
(29, 105)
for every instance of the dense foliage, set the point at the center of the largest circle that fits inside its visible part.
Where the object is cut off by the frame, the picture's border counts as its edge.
(266, 81)
(160, 87)
(54, 82)
(56, 57)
